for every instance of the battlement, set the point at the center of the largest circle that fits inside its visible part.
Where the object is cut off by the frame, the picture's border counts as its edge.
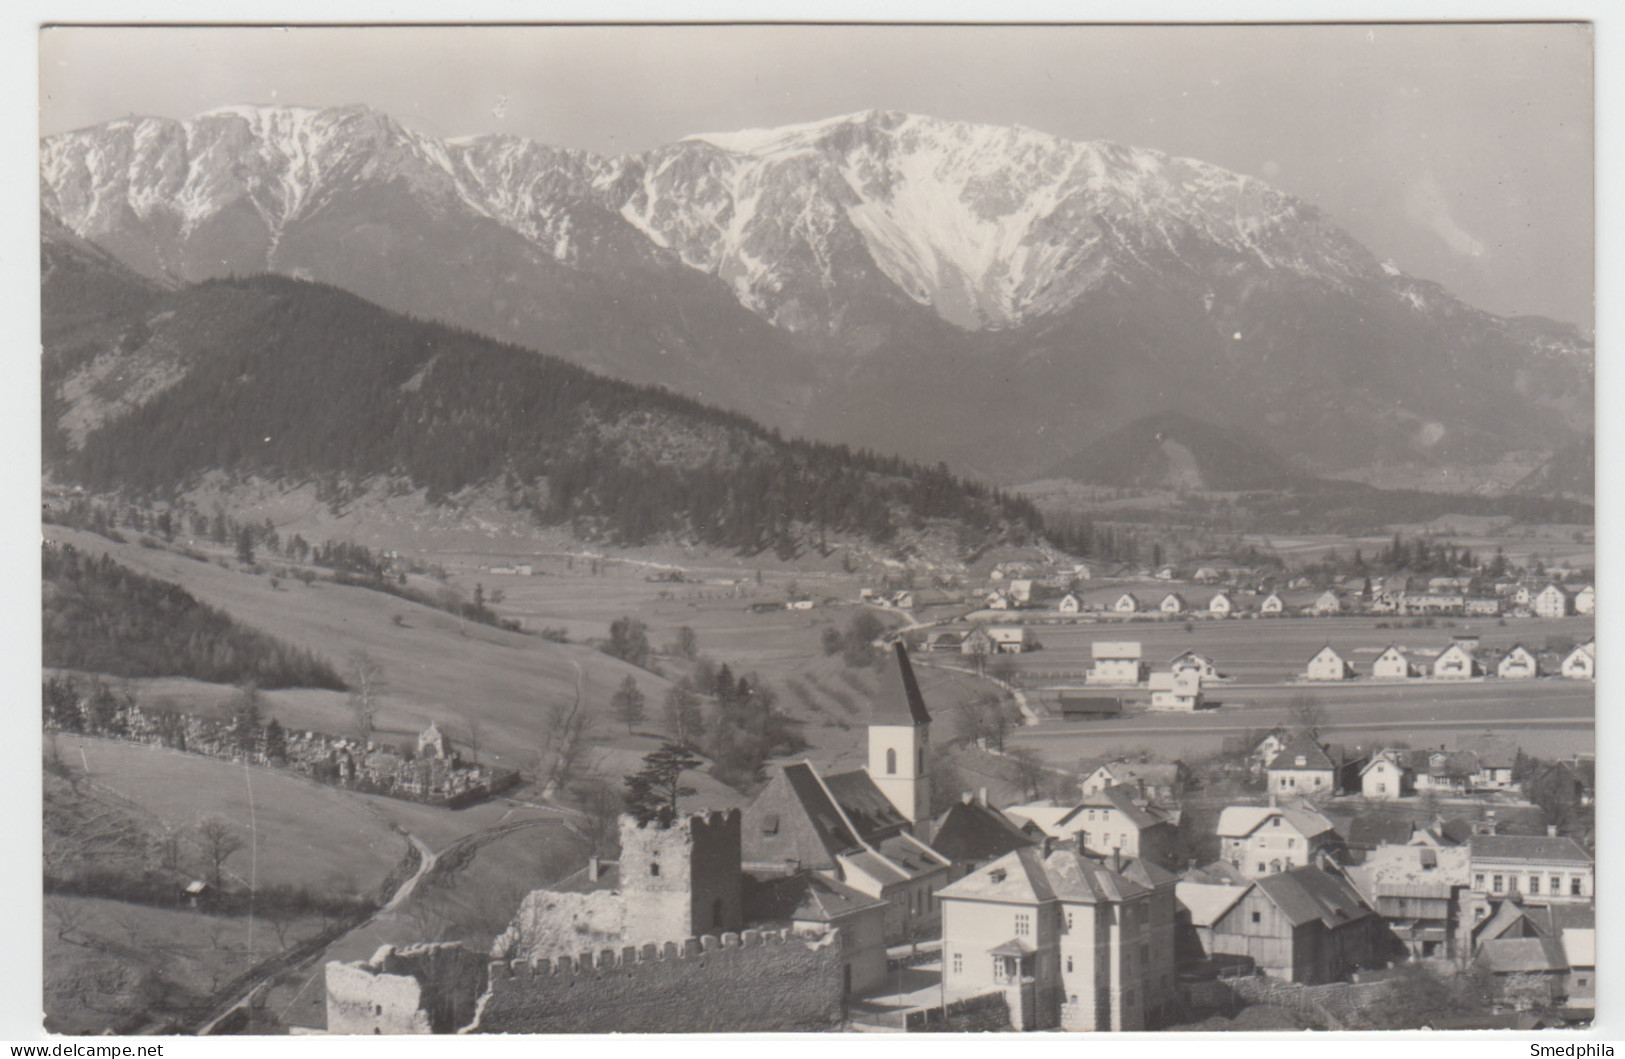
(711, 819)
(630, 957)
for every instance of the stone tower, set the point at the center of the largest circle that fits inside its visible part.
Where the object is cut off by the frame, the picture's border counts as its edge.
(681, 881)
(900, 741)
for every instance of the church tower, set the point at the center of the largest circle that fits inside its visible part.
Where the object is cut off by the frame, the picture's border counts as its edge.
(900, 742)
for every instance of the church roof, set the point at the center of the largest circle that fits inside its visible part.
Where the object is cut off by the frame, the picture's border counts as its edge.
(870, 811)
(898, 700)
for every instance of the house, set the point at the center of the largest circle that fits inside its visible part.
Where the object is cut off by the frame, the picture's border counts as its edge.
(1205, 575)
(977, 643)
(1517, 664)
(1272, 606)
(1585, 600)
(1150, 781)
(1305, 925)
(1456, 662)
(1172, 604)
(1167, 573)
(814, 905)
(1021, 592)
(1219, 606)
(1327, 664)
(996, 600)
(1077, 706)
(1581, 663)
(1177, 690)
(1127, 603)
(1072, 942)
(972, 833)
(1303, 767)
(1483, 607)
(1202, 904)
(1069, 604)
(1552, 602)
(946, 641)
(1417, 890)
(1260, 840)
(1387, 777)
(903, 600)
(1264, 751)
(1497, 758)
(1369, 831)
(1328, 603)
(1201, 664)
(1545, 869)
(1009, 639)
(1082, 571)
(860, 828)
(1110, 821)
(1116, 662)
(1393, 664)
(1448, 772)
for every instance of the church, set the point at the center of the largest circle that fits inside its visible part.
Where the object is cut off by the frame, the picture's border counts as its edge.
(867, 828)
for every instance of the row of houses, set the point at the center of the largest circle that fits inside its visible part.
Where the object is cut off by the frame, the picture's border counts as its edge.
(1552, 601)
(1459, 661)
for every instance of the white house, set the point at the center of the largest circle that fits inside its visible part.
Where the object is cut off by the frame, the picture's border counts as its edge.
(904, 600)
(1069, 604)
(1581, 663)
(1178, 690)
(1327, 664)
(996, 600)
(1517, 664)
(1008, 639)
(1021, 591)
(1392, 664)
(1127, 603)
(1552, 602)
(1585, 600)
(1202, 664)
(1385, 777)
(1219, 605)
(1456, 662)
(1272, 606)
(1205, 575)
(1328, 603)
(1172, 603)
(1264, 840)
(1116, 663)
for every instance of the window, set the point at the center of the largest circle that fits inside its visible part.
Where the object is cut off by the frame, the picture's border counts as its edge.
(654, 867)
(1574, 887)
(1290, 842)
(1534, 884)
(1024, 923)
(891, 762)
(1580, 982)
(1069, 921)
(1478, 881)
(1497, 883)
(1069, 964)
(1258, 917)
(1382, 788)
(959, 963)
(1261, 868)
(1557, 884)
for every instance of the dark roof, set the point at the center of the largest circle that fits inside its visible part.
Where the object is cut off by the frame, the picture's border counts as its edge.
(1017, 877)
(1305, 746)
(1458, 831)
(1309, 893)
(1493, 752)
(793, 819)
(1071, 703)
(971, 831)
(898, 700)
(1459, 763)
(870, 811)
(1528, 847)
(1522, 955)
(1118, 797)
(803, 895)
(1370, 830)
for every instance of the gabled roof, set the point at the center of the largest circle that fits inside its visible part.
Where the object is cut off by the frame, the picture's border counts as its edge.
(1147, 873)
(869, 810)
(1047, 818)
(1116, 797)
(806, 896)
(1493, 752)
(1219, 873)
(794, 819)
(1369, 830)
(1559, 849)
(1458, 831)
(1305, 894)
(897, 699)
(1208, 902)
(1152, 775)
(1303, 745)
(1239, 821)
(971, 831)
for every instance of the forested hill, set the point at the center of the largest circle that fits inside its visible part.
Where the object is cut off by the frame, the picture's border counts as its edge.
(293, 381)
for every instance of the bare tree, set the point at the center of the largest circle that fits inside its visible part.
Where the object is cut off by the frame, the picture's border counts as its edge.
(563, 742)
(474, 735)
(601, 809)
(367, 687)
(1030, 771)
(71, 919)
(1307, 716)
(219, 839)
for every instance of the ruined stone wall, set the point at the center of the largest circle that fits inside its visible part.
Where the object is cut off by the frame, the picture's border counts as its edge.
(755, 982)
(550, 924)
(419, 989)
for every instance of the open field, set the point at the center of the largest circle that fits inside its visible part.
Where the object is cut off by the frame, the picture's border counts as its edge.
(114, 966)
(296, 831)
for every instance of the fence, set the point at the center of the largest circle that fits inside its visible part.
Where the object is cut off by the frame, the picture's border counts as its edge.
(975, 1014)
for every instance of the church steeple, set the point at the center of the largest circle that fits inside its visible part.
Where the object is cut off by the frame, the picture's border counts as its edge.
(900, 739)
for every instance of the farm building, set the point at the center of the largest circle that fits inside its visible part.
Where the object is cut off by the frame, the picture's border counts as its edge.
(1304, 926)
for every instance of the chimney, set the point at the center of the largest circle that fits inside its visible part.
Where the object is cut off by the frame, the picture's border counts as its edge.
(1551, 830)
(1272, 799)
(981, 796)
(592, 868)
(1117, 859)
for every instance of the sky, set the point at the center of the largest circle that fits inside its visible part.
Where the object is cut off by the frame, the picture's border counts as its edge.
(1463, 153)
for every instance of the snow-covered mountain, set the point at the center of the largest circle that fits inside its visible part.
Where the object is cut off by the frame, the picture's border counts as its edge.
(944, 289)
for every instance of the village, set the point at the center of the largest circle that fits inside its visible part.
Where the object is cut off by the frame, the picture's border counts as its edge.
(1331, 876)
